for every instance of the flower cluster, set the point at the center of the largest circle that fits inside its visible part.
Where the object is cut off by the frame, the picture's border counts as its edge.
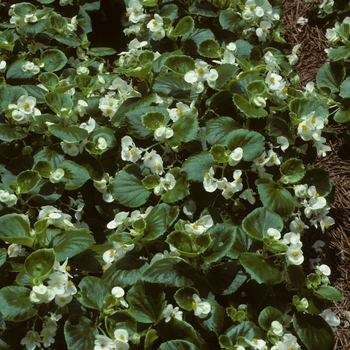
(120, 341)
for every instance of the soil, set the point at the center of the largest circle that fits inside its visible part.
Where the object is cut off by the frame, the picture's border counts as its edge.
(312, 56)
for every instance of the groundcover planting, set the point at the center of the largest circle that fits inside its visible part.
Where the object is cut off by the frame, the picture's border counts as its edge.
(159, 191)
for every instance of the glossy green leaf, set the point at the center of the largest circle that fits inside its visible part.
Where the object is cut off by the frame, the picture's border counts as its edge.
(79, 332)
(3, 255)
(180, 191)
(68, 40)
(15, 304)
(169, 11)
(43, 167)
(260, 269)
(345, 88)
(153, 120)
(217, 129)
(257, 222)
(125, 272)
(231, 20)
(61, 104)
(251, 142)
(319, 178)
(121, 319)
(36, 28)
(197, 166)
(313, 331)
(226, 72)
(71, 242)
(292, 170)
(27, 180)
(170, 85)
(161, 217)
(74, 175)
(209, 48)
(304, 106)
(50, 155)
(36, 92)
(178, 345)
(226, 278)
(15, 71)
(184, 297)
(222, 237)
(39, 264)
(219, 154)
(339, 53)
(9, 133)
(330, 75)
(179, 64)
(127, 187)
(146, 301)
(342, 115)
(203, 8)
(268, 315)
(14, 228)
(249, 111)
(185, 129)
(170, 271)
(10, 94)
(151, 337)
(328, 292)
(184, 26)
(276, 198)
(151, 181)
(92, 291)
(101, 51)
(53, 60)
(216, 318)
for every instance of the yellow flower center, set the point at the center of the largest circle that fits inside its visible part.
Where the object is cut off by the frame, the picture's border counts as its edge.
(167, 183)
(224, 186)
(132, 152)
(313, 120)
(195, 227)
(304, 127)
(154, 22)
(194, 304)
(298, 52)
(200, 71)
(299, 227)
(68, 268)
(251, 7)
(109, 110)
(158, 166)
(285, 90)
(179, 111)
(136, 88)
(272, 80)
(121, 337)
(295, 254)
(261, 160)
(255, 341)
(326, 225)
(135, 11)
(264, 29)
(111, 252)
(272, 159)
(239, 180)
(26, 105)
(98, 184)
(63, 299)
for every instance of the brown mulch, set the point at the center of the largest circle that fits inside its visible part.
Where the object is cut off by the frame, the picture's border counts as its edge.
(337, 163)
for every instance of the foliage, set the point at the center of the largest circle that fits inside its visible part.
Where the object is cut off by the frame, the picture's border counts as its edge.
(160, 200)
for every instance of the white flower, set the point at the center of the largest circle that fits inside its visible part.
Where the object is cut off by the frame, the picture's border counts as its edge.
(120, 218)
(273, 81)
(102, 342)
(101, 143)
(311, 127)
(200, 226)
(310, 88)
(135, 11)
(323, 270)
(71, 148)
(318, 245)
(73, 26)
(182, 109)
(209, 182)
(2, 66)
(274, 233)
(293, 57)
(117, 252)
(101, 185)
(297, 225)
(294, 254)
(167, 183)
(154, 162)
(58, 281)
(15, 250)
(120, 345)
(118, 292)
(169, 312)
(257, 344)
(228, 188)
(325, 222)
(277, 328)
(283, 141)
(199, 75)
(121, 335)
(57, 175)
(271, 64)
(26, 104)
(189, 209)
(235, 156)
(259, 101)
(63, 299)
(251, 11)
(41, 294)
(302, 21)
(291, 238)
(248, 195)
(7, 198)
(331, 318)
(31, 340)
(263, 30)
(200, 308)
(90, 125)
(163, 133)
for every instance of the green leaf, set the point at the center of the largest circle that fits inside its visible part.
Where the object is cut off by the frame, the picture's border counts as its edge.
(225, 279)
(187, 246)
(170, 271)
(219, 154)
(121, 319)
(146, 301)
(209, 48)
(53, 60)
(249, 111)
(328, 292)
(3, 256)
(61, 104)
(215, 320)
(203, 8)
(241, 244)
(9, 133)
(184, 297)
(151, 337)
(172, 86)
(343, 114)
(313, 331)
(71, 242)
(35, 28)
(47, 192)
(226, 72)
(339, 53)
(92, 292)
(15, 71)
(180, 191)
(161, 217)
(10, 94)
(251, 142)
(74, 175)
(179, 64)
(184, 26)
(39, 264)
(15, 304)
(292, 170)
(231, 20)
(68, 40)
(50, 155)
(43, 167)
(125, 272)
(256, 223)
(268, 315)
(185, 130)
(330, 75)
(127, 187)
(181, 330)
(169, 11)
(36, 92)
(217, 129)
(197, 166)
(101, 51)
(79, 332)
(345, 88)
(153, 120)
(151, 181)
(304, 106)
(222, 237)
(26, 180)
(14, 228)
(276, 198)
(260, 269)
(319, 178)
